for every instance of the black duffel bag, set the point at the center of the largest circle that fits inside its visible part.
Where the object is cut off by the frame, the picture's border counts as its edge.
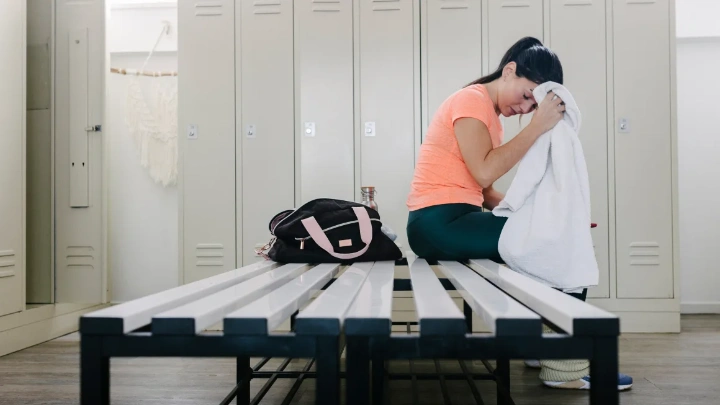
(329, 231)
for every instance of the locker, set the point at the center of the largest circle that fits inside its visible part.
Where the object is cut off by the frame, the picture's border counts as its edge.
(386, 51)
(12, 160)
(452, 54)
(643, 148)
(79, 98)
(207, 141)
(324, 70)
(508, 21)
(265, 112)
(578, 36)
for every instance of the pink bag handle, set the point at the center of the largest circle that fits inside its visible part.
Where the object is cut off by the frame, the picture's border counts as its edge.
(318, 235)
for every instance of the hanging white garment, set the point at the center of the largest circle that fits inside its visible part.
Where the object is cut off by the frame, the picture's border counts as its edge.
(152, 123)
(547, 235)
(151, 118)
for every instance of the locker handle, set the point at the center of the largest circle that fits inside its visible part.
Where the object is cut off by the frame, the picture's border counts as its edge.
(93, 128)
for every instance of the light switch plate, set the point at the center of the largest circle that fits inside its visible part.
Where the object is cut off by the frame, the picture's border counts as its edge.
(309, 129)
(192, 131)
(369, 129)
(250, 131)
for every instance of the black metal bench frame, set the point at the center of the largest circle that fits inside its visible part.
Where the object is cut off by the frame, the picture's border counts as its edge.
(362, 352)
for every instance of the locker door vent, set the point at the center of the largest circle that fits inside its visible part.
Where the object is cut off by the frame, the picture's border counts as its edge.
(267, 7)
(7, 263)
(515, 3)
(453, 5)
(578, 2)
(326, 6)
(210, 254)
(209, 9)
(641, 1)
(383, 5)
(644, 254)
(80, 257)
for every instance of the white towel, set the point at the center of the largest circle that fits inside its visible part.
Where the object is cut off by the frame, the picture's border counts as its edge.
(547, 234)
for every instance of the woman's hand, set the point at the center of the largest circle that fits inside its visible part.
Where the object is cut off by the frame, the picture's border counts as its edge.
(549, 112)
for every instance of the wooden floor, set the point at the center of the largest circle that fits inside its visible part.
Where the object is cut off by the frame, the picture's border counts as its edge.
(668, 369)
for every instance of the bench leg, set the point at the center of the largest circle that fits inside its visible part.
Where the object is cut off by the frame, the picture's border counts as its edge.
(94, 372)
(328, 371)
(357, 378)
(378, 381)
(502, 374)
(604, 372)
(243, 376)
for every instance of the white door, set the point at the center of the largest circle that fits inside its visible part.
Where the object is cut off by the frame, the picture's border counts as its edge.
(389, 117)
(12, 156)
(79, 89)
(507, 22)
(265, 108)
(578, 36)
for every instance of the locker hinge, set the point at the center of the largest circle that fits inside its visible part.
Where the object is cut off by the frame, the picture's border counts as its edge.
(94, 128)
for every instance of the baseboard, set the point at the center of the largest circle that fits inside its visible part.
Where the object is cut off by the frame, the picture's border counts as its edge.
(700, 307)
(39, 331)
(649, 322)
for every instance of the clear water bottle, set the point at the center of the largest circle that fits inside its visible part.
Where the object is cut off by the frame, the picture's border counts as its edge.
(368, 197)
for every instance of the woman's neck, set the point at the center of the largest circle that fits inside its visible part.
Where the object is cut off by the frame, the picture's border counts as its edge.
(492, 89)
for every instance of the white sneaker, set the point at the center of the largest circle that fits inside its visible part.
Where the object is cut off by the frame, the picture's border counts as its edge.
(532, 363)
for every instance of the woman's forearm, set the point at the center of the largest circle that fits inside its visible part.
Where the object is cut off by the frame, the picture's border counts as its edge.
(500, 160)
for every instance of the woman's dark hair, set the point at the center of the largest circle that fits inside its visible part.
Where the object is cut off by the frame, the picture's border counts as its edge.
(534, 62)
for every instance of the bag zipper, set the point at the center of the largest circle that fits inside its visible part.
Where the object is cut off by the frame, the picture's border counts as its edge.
(302, 240)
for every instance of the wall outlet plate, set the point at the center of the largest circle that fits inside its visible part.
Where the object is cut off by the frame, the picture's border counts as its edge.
(192, 131)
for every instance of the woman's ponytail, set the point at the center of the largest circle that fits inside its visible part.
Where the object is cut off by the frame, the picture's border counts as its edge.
(534, 62)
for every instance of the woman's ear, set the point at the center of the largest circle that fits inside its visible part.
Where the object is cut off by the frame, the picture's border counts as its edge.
(509, 70)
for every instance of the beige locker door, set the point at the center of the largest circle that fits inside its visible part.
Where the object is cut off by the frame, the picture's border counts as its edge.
(265, 113)
(508, 21)
(12, 156)
(643, 176)
(324, 72)
(79, 91)
(387, 106)
(206, 121)
(578, 36)
(452, 54)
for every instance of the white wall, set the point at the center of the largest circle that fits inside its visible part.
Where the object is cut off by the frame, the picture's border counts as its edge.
(143, 214)
(698, 63)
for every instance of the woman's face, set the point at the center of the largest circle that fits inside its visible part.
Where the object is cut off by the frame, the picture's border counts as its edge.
(515, 93)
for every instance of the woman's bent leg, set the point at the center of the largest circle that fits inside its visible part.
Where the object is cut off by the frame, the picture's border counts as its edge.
(455, 232)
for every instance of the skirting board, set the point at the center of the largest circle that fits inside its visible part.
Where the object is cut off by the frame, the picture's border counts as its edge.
(35, 331)
(700, 307)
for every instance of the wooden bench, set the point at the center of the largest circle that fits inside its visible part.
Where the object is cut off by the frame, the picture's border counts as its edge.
(353, 306)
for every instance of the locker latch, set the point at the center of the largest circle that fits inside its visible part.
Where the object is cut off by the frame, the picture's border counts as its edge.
(93, 128)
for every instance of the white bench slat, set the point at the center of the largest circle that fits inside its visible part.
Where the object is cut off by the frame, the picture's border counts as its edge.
(437, 313)
(570, 314)
(502, 314)
(371, 311)
(126, 317)
(326, 313)
(196, 316)
(263, 315)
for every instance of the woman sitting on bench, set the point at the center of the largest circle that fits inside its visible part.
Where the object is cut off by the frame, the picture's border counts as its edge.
(461, 157)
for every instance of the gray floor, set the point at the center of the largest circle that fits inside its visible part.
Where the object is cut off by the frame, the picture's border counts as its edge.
(667, 368)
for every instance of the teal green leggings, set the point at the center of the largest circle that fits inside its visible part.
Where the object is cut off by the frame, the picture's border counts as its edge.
(454, 232)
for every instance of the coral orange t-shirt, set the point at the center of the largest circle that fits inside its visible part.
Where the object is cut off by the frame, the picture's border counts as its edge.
(441, 176)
